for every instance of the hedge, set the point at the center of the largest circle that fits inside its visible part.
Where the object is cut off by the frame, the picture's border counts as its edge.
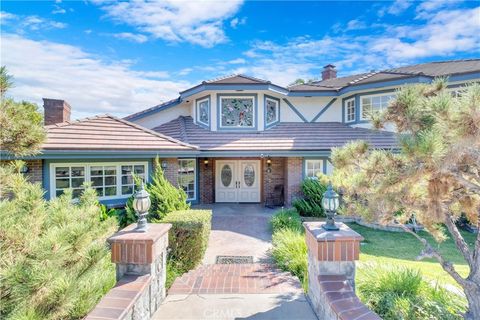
(188, 237)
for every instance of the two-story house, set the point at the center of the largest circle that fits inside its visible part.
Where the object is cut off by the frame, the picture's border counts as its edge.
(232, 139)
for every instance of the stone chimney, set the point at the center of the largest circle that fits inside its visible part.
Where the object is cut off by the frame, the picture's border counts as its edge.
(329, 72)
(55, 111)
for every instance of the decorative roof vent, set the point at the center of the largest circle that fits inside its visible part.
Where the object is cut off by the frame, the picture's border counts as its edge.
(329, 72)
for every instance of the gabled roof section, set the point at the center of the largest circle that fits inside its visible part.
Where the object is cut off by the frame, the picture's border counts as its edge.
(159, 107)
(237, 79)
(429, 70)
(108, 133)
(285, 136)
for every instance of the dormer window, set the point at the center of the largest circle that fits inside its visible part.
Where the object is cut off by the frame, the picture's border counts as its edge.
(237, 112)
(350, 110)
(203, 111)
(272, 111)
(374, 103)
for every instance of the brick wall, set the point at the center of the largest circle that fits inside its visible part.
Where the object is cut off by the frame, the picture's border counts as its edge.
(207, 181)
(171, 172)
(35, 170)
(293, 179)
(275, 177)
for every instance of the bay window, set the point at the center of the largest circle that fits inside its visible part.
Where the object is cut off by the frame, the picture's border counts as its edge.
(272, 111)
(203, 111)
(237, 112)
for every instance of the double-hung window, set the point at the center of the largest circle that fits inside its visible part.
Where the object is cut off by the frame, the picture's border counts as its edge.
(313, 167)
(350, 110)
(110, 180)
(187, 170)
(369, 104)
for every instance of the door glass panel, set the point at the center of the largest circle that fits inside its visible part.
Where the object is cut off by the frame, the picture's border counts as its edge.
(226, 175)
(249, 175)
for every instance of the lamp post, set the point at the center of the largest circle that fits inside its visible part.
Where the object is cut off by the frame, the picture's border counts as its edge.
(330, 204)
(141, 204)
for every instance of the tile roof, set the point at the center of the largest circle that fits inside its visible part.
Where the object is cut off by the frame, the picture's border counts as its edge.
(158, 107)
(107, 132)
(431, 69)
(286, 136)
(237, 79)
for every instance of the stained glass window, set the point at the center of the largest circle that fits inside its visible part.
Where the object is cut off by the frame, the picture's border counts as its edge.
(203, 111)
(249, 175)
(272, 113)
(237, 112)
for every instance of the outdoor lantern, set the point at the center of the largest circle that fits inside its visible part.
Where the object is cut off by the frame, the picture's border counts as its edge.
(269, 165)
(330, 204)
(164, 164)
(141, 204)
(205, 162)
(24, 169)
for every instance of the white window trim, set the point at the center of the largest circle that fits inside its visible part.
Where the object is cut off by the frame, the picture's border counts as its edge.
(194, 177)
(277, 112)
(354, 110)
(372, 96)
(87, 165)
(306, 166)
(197, 109)
(238, 97)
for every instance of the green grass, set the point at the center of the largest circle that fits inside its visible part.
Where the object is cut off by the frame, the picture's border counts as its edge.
(401, 249)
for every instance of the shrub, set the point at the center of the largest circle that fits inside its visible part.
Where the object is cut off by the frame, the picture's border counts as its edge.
(311, 204)
(54, 260)
(402, 293)
(164, 196)
(188, 237)
(286, 219)
(290, 253)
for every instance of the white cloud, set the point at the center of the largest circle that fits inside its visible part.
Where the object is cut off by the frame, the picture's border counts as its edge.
(196, 22)
(356, 25)
(29, 23)
(185, 71)
(396, 8)
(58, 10)
(135, 37)
(235, 22)
(88, 83)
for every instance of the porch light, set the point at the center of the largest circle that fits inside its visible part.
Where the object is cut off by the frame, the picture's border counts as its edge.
(24, 169)
(330, 204)
(164, 164)
(141, 204)
(269, 165)
(205, 162)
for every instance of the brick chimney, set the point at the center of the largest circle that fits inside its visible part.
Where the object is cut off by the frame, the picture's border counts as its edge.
(329, 72)
(55, 111)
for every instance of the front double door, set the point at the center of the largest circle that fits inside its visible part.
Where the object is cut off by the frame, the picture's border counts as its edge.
(237, 181)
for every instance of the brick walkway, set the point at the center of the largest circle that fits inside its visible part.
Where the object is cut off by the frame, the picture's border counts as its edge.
(235, 278)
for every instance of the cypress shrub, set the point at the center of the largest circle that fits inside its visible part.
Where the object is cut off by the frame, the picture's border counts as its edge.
(55, 263)
(164, 196)
(188, 237)
(311, 204)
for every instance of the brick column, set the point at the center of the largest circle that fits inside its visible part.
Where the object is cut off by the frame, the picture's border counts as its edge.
(207, 181)
(140, 259)
(171, 172)
(331, 272)
(293, 179)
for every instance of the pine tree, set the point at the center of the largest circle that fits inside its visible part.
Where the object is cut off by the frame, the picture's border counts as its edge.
(435, 174)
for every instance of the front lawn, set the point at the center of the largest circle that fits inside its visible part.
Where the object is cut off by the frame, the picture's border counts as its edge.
(401, 249)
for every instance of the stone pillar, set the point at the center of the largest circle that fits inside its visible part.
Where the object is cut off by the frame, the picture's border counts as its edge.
(331, 272)
(140, 259)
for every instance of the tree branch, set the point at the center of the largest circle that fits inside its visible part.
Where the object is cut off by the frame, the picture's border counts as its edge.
(428, 251)
(459, 240)
(466, 183)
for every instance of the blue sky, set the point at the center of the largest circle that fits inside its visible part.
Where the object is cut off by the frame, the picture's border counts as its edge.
(122, 57)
